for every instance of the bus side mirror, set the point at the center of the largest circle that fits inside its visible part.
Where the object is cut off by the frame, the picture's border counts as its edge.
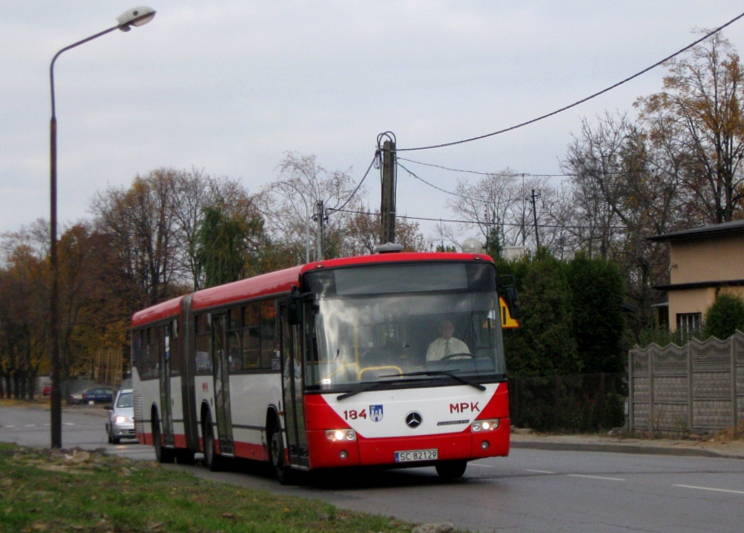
(509, 292)
(512, 300)
(294, 315)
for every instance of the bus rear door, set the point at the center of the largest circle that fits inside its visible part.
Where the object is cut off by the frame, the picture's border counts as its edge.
(221, 366)
(166, 406)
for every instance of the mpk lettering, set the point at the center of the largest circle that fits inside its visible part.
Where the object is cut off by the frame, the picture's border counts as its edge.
(463, 407)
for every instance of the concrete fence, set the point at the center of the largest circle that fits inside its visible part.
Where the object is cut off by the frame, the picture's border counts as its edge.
(692, 389)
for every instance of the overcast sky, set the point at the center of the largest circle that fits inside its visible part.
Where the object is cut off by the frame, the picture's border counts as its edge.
(229, 86)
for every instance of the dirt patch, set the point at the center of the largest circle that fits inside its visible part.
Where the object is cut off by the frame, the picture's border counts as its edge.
(732, 434)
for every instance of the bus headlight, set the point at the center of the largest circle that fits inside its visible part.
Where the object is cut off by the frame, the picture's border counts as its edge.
(485, 425)
(340, 435)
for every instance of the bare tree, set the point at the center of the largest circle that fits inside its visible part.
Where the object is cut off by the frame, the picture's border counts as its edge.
(287, 202)
(144, 229)
(197, 191)
(154, 226)
(363, 235)
(502, 201)
(620, 192)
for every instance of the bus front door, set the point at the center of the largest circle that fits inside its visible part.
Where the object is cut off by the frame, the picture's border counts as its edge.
(294, 418)
(166, 405)
(221, 366)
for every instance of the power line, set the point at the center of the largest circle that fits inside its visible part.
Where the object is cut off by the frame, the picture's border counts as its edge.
(358, 186)
(474, 223)
(439, 188)
(579, 102)
(511, 175)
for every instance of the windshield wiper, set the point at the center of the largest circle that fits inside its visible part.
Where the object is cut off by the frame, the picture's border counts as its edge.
(362, 388)
(448, 373)
(371, 386)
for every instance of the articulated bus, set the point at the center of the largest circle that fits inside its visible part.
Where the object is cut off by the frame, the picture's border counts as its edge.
(330, 364)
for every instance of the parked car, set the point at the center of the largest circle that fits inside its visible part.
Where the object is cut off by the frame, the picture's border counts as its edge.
(93, 395)
(98, 395)
(47, 390)
(120, 421)
(76, 398)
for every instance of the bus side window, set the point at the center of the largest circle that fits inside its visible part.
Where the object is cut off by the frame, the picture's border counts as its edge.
(203, 359)
(234, 352)
(251, 337)
(154, 352)
(268, 333)
(175, 350)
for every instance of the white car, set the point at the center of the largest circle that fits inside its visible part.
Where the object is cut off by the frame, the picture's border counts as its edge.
(120, 421)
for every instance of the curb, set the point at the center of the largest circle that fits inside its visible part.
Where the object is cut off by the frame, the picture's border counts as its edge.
(622, 448)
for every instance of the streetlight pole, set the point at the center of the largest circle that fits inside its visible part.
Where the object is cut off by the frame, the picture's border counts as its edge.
(138, 16)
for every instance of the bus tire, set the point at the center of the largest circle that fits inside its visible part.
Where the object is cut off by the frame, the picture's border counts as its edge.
(185, 457)
(211, 457)
(276, 453)
(449, 470)
(162, 454)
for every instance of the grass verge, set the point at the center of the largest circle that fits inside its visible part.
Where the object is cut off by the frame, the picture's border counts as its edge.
(44, 490)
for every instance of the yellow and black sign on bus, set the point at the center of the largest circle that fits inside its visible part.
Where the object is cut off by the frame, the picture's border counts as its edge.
(506, 319)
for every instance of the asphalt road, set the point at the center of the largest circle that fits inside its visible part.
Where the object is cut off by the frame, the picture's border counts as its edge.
(531, 490)
(82, 426)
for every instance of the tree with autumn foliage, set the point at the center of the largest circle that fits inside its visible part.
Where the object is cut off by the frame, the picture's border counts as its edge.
(699, 121)
(677, 165)
(23, 316)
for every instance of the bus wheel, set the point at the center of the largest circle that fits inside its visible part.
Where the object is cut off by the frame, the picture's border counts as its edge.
(276, 451)
(185, 457)
(210, 453)
(451, 469)
(162, 454)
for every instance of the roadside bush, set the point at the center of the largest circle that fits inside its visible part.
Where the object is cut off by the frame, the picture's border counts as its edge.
(724, 317)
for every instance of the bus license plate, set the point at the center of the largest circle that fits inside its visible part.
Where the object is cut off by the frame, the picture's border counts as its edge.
(416, 455)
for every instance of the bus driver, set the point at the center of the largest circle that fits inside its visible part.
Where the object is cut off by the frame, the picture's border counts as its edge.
(446, 344)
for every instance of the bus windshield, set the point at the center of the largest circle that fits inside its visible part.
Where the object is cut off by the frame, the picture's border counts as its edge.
(448, 335)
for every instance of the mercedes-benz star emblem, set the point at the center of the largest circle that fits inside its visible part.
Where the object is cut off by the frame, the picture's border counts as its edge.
(413, 419)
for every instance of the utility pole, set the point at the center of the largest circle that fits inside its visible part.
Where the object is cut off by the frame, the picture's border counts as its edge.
(320, 241)
(387, 205)
(535, 196)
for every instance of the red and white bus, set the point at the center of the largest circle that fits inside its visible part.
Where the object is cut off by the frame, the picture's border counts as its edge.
(325, 365)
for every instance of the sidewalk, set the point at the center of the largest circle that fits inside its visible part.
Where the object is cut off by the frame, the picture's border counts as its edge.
(710, 447)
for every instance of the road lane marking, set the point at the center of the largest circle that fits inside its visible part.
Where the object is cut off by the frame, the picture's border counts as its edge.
(539, 471)
(710, 489)
(597, 477)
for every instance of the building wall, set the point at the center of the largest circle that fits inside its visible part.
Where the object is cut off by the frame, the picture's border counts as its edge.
(689, 301)
(712, 259)
(703, 260)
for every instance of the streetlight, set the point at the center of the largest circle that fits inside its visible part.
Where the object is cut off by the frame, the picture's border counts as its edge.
(307, 219)
(138, 16)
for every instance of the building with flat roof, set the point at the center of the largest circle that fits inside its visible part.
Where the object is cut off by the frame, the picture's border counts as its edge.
(704, 262)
